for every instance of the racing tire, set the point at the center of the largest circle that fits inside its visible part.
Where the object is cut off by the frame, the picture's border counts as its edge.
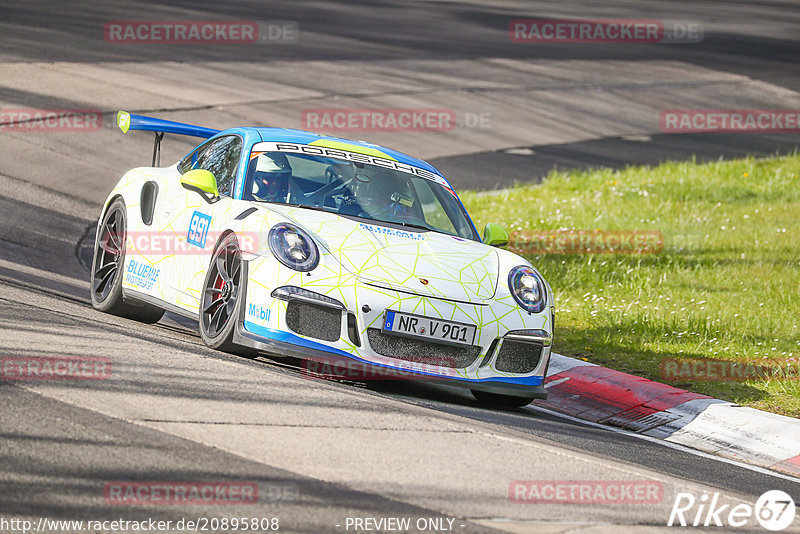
(497, 399)
(107, 269)
(219, 303)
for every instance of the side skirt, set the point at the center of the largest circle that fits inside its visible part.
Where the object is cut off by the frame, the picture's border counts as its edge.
(130, 294)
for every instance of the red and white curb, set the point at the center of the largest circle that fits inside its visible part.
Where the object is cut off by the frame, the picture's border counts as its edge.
(601, 395)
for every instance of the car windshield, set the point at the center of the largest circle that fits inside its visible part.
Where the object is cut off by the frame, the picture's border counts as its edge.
(355, 189)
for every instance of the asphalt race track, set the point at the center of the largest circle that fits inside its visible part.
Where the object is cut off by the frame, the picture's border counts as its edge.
(321, 452)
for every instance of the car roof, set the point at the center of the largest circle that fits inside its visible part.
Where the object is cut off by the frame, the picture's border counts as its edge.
(290, 135)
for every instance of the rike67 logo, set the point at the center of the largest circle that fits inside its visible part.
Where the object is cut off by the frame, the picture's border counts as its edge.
(774, 511)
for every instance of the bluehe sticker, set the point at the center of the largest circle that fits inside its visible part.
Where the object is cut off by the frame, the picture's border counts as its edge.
(141, 275)
(198, 229)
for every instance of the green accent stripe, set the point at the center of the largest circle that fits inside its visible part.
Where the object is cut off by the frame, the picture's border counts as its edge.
(358, 149)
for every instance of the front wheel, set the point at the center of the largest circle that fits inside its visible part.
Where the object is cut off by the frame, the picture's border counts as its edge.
(222, 290)
(497, 399)
(107, 267)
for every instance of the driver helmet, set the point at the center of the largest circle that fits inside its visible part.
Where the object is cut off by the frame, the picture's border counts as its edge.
(375, 195)
(271, 175)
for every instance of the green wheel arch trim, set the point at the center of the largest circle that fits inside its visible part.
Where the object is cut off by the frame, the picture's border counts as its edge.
(329, 143)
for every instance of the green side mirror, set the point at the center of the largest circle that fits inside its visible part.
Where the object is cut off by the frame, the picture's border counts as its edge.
(495, 235)
(203, 182)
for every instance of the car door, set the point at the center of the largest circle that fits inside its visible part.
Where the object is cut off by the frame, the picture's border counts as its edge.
(197, 222)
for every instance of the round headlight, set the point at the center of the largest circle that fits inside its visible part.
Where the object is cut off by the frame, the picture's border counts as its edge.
(528, 288)
(293, 247)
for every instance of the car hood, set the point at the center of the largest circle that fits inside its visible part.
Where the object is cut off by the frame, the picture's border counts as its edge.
(422, 263)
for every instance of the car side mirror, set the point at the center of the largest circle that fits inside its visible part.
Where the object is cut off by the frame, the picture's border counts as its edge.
(495, 235)
(202, 182)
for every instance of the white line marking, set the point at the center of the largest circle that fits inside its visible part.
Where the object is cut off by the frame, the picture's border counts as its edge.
(675, 446)
(557, 382)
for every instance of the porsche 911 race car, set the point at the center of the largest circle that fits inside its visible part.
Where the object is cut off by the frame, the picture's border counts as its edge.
(295, 244)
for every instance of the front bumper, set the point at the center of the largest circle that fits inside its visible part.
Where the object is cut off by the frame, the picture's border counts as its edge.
(262, 325)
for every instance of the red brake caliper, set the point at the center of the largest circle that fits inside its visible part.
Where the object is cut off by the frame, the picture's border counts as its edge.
(219, 284)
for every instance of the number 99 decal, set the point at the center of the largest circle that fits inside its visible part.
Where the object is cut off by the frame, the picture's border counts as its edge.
(198, 229)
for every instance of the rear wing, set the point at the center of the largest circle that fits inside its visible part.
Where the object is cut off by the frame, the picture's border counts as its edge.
(127, 121)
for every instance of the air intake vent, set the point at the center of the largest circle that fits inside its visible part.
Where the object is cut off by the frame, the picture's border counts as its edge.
(414, 350)
(313, 320)
(352, 330)
(518, 356)
(147, 201)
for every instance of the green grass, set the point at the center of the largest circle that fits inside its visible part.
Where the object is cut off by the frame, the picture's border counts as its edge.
(726, 284)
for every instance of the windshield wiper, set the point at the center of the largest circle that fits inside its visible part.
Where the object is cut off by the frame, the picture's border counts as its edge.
(413, 225)
(331, 210)
(315, 208)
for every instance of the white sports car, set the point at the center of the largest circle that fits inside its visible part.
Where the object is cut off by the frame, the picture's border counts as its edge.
(296, 244)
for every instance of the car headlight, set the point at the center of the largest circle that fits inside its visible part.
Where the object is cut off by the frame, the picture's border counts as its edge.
(528, 288)
(293, 247)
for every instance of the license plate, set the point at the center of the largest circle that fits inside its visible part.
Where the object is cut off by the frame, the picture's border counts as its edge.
(428, 328)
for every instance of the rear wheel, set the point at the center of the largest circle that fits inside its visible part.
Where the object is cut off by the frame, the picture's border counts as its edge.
(497, 399)
(107, 267)
(222, 290)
